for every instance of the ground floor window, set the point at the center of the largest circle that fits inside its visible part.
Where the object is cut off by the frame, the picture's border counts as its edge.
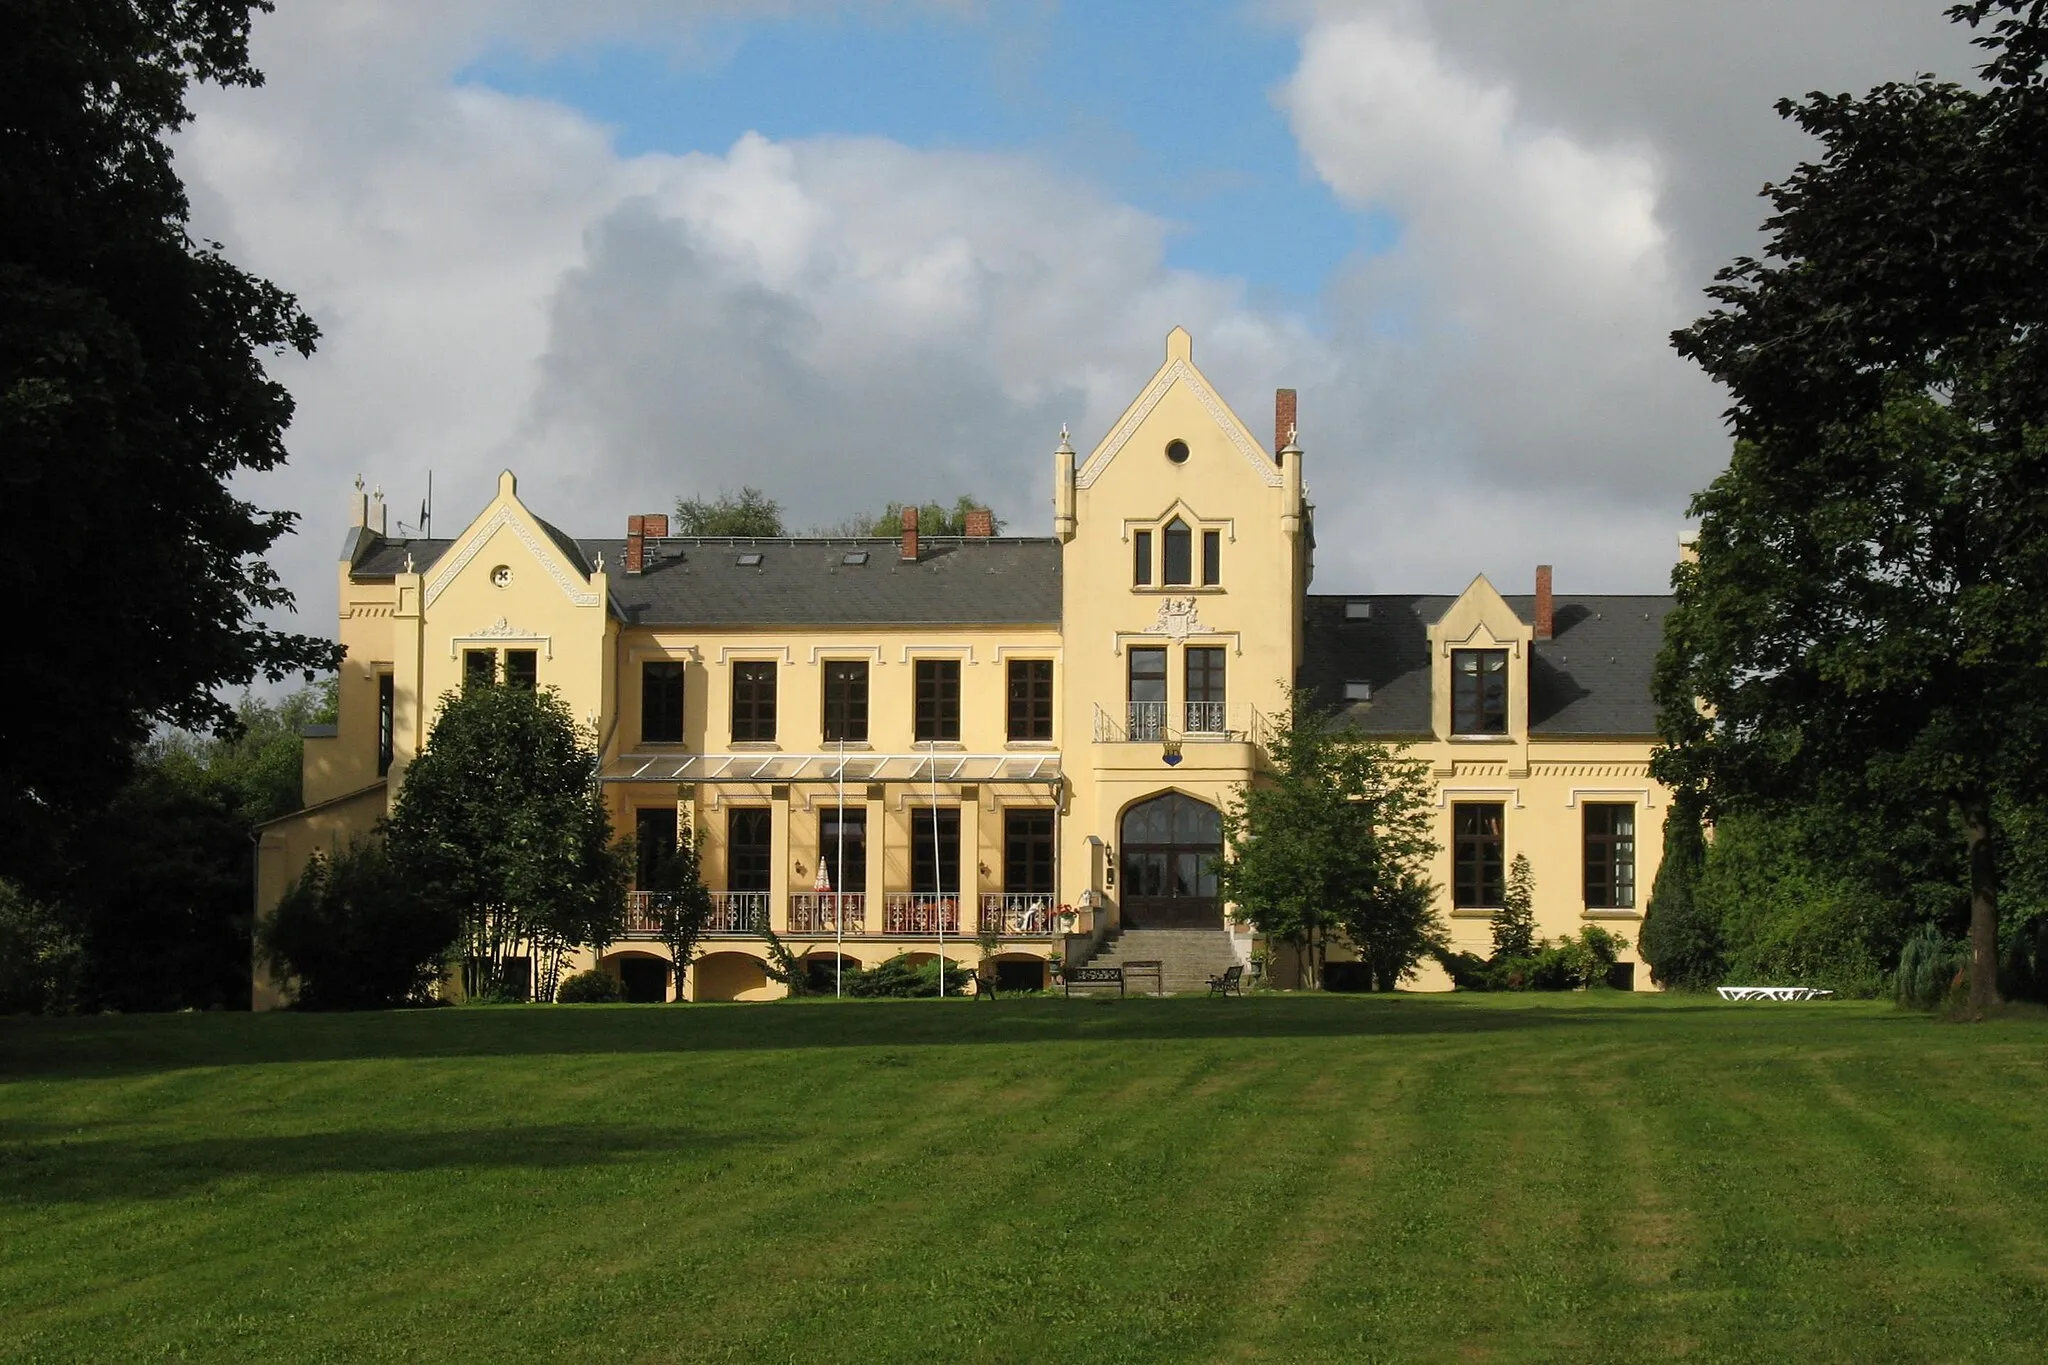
(1477, 847)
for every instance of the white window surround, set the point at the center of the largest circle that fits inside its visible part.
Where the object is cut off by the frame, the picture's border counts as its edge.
(1157, 525)
(1513, 795)
(501, 634)
(847, 654)
(757, 654)
(1604, 793)
(964, 653)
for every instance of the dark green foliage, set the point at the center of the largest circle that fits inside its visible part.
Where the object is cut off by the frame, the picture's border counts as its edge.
(2023, 968)
(1932, 969)
(501, 820)
(933, 519)
(783, 965)
(900, 978)
(1680, 941)
(133, 392)
(679, 901)
(1514, 928)
(258, 762)
(352, 933)
(1334, 840)
(40, 961)
(1864, 626)
(593, 987)
(1570, 964)
(749, 512)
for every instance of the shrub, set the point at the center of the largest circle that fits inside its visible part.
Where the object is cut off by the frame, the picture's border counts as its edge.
(594, 987)
(1931, 968)
(40, 961)
(2023, 966)
(353, 934)
(1680, 939)
(899, 978)
(1514, 928)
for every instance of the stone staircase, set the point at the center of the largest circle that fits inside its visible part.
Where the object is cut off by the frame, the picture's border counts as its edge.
(1187, 957)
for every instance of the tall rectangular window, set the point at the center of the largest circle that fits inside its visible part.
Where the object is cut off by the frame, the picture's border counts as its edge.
(753, 701)
(1147, 693)
(1030, 699)
(387, 721)
(522, 669)
(748, 847)
(654, 838)
(1141, 558)
(661, 701)
(1027, 852)
(1610, 855)
(935, 851)
(1479, 691)
(1478, 871)
(1205, 702)
(1212, 558)
(938, 699)
(843, 847)
(1177, 554)
(846, 701)
(479, 667)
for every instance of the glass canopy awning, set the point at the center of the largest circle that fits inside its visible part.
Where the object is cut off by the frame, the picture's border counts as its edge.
(779, 768)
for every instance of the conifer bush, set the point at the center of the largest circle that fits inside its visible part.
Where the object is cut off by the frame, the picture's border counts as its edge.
(593, 987)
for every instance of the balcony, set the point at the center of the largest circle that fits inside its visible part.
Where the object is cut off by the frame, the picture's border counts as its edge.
(1017, 914)
(733, 913)
(828, 912)
(1145, 722)
(912, 913)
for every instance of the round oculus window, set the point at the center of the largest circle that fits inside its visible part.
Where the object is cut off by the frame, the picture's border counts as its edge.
(501, 577)
(1177, 451)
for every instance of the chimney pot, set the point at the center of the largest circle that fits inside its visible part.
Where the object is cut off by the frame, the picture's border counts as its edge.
(910, 534)
(981, 523)
(1546, 610)
(1283, 419)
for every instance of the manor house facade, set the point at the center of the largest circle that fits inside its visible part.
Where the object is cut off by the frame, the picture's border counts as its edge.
(900, 745)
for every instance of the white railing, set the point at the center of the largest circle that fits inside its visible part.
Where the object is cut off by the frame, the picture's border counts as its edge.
(1206, 718)
(738, 912)
(1211, 720)
(1144, 720)
(915, 912)
(640, 921)
(823, 912)
(1017, 914)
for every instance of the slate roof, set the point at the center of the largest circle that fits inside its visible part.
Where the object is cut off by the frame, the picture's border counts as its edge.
(386, 558)
(1592, 678)
(997, 581)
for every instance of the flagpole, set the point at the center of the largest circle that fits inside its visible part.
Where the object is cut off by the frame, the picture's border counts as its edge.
(938, 863)
(839, 897)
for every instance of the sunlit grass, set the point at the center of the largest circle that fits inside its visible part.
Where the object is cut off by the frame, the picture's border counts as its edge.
(1593, 1177)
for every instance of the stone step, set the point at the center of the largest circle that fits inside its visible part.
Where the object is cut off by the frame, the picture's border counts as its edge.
(1187, 957)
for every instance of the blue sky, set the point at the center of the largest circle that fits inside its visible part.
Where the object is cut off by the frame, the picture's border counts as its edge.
(1176, 118)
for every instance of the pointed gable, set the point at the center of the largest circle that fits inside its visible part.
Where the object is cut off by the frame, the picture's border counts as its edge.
(555, 554)
(1179, 371)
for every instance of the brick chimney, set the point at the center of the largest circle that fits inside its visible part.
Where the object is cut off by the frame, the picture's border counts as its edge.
(636, 544)
(1546, 610)
(981, 523)
(910, 535)
(655, 525)
(1283, 419)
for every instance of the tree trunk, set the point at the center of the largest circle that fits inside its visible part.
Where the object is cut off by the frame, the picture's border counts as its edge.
(1978, 830)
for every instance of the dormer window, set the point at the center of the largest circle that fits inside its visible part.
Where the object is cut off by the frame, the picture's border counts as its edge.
(1479, 691)
(1177, 568)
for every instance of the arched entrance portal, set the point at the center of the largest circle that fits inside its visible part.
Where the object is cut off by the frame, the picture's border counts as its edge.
(1170, 845)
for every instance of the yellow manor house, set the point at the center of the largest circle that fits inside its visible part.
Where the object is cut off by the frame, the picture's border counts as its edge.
(897, 746)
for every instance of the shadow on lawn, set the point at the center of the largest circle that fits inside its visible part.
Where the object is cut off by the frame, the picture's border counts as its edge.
(43, 1170)
(114, 1045)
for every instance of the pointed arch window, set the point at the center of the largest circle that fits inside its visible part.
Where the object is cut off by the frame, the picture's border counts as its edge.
(1177, 568)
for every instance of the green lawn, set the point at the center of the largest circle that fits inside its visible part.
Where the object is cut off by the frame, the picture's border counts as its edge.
(1584, 1178)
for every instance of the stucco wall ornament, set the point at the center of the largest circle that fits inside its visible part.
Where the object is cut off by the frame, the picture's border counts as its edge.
(1178, 619)
(502, 629)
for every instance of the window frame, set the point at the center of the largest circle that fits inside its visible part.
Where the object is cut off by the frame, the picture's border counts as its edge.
(1141, 559)
(753, 713)
(845, 694)
(645, 817)
(934, 868)
(1476, 875)
(1029, 854)
(387, 721)
(529, 661)
(855, 814)
(1029, 708)
(760, 857)
(654, 705)
(472, 676)
(1615, 850)
(1471, 715)
(935, 701)
(1212, 559)
(1176, 554)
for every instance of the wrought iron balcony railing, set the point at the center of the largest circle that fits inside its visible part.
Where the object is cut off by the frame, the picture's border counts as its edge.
(915, 912)
(1017, 914)
(824, 912)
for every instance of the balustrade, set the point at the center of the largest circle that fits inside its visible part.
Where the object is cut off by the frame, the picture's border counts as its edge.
(825, 912)
(911, 912)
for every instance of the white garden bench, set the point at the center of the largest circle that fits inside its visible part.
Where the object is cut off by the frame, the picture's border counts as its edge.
(1772, 993)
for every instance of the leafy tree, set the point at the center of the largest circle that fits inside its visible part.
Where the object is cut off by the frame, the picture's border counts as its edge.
(749, 512)
(353, 933)
(680, 904)
(501, 819)
(1514, 928)
(1680, 940)
(133, 391)
(1335, 838)
(40, 961)
(784, 966)
(1863, 629)
(933, 519)
(258, 763)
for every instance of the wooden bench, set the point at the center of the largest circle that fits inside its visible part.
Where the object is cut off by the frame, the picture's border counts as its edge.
(1154, 971)
(1230, 983)
(1071, 977)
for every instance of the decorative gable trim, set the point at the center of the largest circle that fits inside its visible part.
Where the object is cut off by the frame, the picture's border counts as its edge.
(577, 590)
(1179, 370)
